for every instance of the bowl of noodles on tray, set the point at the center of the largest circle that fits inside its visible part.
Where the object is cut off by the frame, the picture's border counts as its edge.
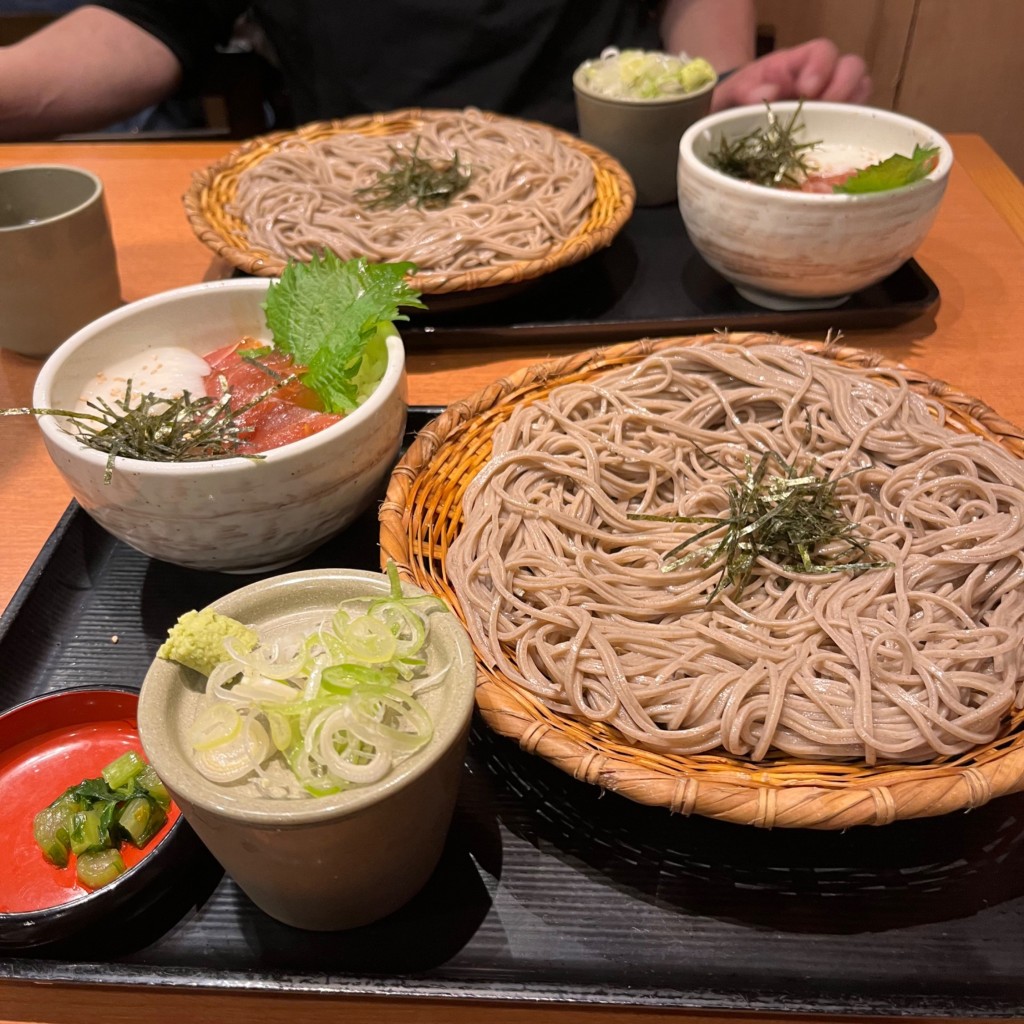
(774, 582)
(479, 202)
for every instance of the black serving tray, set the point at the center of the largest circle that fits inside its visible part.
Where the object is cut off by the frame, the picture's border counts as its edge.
(549, 891)
(649, 282)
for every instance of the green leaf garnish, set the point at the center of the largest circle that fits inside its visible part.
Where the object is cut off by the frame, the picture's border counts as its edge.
(893, 172)
(332, 317)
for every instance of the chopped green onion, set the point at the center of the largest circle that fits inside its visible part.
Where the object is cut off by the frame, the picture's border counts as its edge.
(368, 640)
(215, 725)
(281, 733)
(322, 709)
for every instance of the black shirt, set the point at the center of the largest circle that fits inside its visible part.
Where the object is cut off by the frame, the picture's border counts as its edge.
(339, 58)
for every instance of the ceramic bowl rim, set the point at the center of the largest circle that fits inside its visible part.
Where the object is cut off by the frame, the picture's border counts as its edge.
(51, 369)
(24, 918)
(783, 197)
(268, 813)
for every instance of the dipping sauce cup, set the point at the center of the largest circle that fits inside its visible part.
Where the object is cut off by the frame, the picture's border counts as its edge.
(59, 265)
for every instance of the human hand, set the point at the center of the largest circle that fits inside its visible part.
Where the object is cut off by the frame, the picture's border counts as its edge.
(814, 71)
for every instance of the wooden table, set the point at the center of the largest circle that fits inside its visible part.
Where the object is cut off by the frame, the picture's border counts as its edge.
(974, 253)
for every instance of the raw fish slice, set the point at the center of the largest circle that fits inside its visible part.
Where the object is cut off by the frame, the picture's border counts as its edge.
(289, 414)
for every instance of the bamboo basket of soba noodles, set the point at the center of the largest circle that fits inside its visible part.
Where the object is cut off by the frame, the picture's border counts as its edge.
(475, 200)
(774, 582)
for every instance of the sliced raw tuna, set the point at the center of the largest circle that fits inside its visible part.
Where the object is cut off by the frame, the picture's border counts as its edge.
(287, 414)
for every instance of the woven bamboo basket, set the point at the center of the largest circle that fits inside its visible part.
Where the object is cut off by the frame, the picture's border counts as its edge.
(421, 516)
(210, 199)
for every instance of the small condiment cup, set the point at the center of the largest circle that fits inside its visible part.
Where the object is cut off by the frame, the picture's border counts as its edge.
(330, 862)
(59, 264)
(642, 134)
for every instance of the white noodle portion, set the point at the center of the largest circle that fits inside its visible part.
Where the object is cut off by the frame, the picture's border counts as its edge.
(527, 190)
(567, 597)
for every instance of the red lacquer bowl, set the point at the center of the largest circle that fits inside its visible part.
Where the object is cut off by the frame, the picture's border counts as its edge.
(47, 744)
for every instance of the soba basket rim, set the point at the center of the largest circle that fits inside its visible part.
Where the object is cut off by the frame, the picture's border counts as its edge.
(419, 518)
(211, 192)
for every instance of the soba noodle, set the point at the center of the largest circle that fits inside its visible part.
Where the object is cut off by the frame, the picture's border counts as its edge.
(527, 190)
(566, 596)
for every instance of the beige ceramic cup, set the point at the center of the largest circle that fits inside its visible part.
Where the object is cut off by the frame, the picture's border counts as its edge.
(329, 862)
(59, 265)
(643, 135)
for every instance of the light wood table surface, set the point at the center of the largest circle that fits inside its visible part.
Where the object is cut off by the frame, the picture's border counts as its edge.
(974, 339)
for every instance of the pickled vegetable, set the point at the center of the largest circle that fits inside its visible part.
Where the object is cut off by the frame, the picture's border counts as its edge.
(120, 772)
(51, 834)
(154, 786)
(127, 803)
(141, 819)
(97, 868)
(87, 832)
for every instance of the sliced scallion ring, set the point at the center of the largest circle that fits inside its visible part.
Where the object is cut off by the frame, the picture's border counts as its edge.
(214, 726)
(318, 710)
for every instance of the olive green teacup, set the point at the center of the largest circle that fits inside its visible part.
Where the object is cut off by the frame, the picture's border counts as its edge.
(642, 134)
(59, 265)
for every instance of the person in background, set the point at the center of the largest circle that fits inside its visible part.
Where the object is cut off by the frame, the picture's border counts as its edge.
(103, 62)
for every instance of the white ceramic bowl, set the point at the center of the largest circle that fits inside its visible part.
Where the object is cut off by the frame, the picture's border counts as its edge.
(233, 515)
(328, 862)
(789, 250)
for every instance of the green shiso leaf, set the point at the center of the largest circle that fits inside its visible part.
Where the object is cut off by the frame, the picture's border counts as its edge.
(332, 317)
(894, 172)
